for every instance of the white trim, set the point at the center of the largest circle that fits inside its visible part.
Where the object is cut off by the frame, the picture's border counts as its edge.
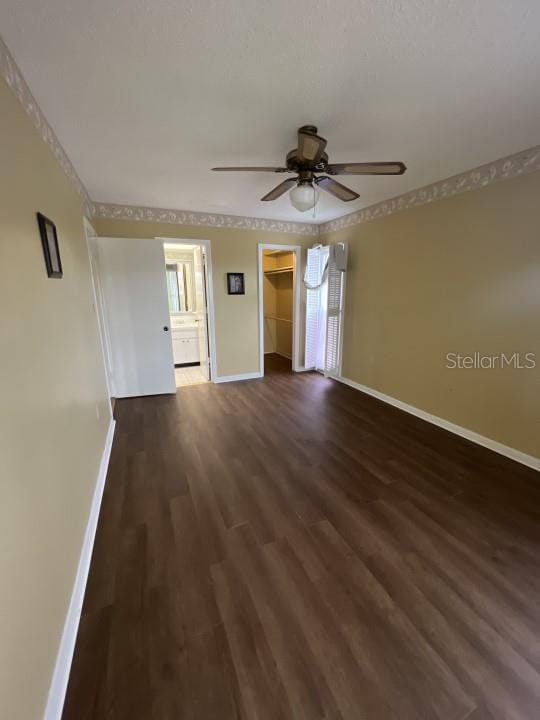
(211, 318)
(207, 245)
(342, 313)
(57, 690)
(297, 250)
(235, 378)
(474, 437)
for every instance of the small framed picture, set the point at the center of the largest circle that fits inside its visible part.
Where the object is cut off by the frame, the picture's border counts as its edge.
(51, 251)
(235, 284)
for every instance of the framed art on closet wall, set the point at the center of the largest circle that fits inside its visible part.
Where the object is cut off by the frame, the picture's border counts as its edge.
(235, 284)
(49, 242)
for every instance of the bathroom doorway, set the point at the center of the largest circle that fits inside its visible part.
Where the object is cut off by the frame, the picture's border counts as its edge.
(189, 296)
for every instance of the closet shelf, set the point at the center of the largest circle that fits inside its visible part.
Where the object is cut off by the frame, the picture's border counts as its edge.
(274, 317)
(279, 270)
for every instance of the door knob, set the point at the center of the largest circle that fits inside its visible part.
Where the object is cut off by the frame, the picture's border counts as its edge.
(166, 328)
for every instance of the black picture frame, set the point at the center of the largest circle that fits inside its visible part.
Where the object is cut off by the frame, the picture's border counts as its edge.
(49, 242)
(235, 284)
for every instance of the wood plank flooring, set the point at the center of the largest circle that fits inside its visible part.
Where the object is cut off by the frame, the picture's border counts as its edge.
(291, 548)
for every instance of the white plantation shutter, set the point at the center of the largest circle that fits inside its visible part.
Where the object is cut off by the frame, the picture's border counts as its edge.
(314, 281)
(336, 281)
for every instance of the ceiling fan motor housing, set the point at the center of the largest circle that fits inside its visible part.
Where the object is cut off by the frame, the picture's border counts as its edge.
(294, 165)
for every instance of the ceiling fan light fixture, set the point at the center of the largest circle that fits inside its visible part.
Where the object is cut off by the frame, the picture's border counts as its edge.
(309, 160)
(304, 196)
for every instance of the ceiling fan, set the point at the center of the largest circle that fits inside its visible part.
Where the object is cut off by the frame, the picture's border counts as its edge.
(309, 160)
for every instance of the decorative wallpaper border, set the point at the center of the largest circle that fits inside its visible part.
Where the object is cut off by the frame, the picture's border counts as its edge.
(185, 217)
(15, 80)
(508, 167)
(511, 166)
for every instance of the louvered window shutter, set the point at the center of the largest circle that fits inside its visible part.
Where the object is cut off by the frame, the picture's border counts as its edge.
(313, 280)
(336, 266)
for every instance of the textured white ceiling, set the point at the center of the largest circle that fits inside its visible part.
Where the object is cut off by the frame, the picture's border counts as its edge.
(147, 95)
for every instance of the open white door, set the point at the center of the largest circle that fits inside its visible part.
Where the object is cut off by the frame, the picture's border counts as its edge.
(337, 264)
(316, 284)
(325, 291)
(133, 281)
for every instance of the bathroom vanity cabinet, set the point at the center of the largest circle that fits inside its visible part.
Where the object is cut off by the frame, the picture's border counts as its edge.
(185, 342)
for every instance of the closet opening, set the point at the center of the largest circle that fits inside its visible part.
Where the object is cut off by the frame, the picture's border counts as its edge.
(186, 271)
(279, 303)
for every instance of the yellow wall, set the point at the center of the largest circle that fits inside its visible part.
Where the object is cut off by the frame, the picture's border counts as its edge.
(236, 316)
(52, 388)
(458, 275)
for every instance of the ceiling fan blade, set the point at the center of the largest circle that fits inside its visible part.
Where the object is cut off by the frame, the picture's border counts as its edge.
(310, 147)
(374, 168)
(336, 189)
(251, 169)
(280, 189)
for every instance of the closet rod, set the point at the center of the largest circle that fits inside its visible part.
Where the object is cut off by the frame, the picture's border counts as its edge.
(277, 271)
(273, 317)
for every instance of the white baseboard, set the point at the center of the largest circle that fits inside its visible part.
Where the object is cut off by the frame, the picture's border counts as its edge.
(474, 437)
(235, 378)
(57, 690)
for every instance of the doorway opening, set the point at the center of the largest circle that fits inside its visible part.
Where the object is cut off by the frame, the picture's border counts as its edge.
(279, 303)
(186, 270)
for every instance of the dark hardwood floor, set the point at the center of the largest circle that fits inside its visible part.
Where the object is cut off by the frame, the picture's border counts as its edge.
(291, 548)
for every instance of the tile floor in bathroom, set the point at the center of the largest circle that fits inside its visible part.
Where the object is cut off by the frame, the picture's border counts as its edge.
(194, 375)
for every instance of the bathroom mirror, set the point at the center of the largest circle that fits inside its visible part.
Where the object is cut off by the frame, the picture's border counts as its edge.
(180, 286)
